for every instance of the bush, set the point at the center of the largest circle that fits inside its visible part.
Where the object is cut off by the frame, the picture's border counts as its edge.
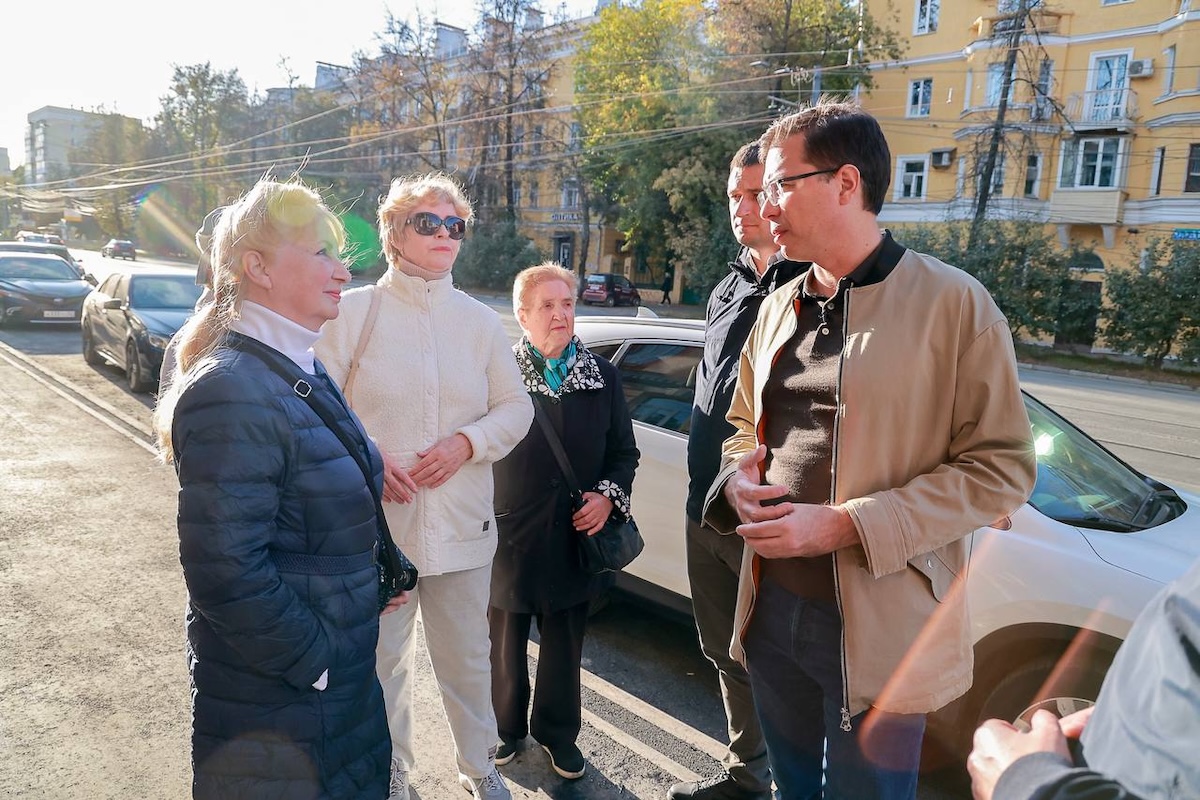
(1154, 310)
(493, 254)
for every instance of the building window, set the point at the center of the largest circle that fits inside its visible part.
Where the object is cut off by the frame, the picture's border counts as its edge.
(1114, 2)
(570, 193)
(995, 84)
(927, 16)
(533, 193)
(920, 97)
(1033, 174)
(997, 175)
(536, 147)
(516, 194)
(1169, 70)
(1192, 182)
(1090, 163)
(1156, 171)
(910, 180)
(1042, 105)
(576, 136)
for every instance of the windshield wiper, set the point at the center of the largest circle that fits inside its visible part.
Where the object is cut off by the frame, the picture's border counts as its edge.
(1099, 523)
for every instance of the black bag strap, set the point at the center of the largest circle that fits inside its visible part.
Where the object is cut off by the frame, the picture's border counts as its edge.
(285, 368)
(556, 447)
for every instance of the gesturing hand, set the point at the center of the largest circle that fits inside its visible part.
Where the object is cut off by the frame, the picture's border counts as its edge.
(395, 603)
(590, 518)
(437, 464)
(746, 493)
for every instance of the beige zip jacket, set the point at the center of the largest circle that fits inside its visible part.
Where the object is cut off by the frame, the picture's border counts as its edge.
(931, 441)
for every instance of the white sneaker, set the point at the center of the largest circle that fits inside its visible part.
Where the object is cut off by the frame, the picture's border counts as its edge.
(398, 785)
(490, 787)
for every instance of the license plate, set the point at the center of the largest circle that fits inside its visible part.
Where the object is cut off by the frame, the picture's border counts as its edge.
(58, 315)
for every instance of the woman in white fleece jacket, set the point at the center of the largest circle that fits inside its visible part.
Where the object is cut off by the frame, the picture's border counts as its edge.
(429, 371)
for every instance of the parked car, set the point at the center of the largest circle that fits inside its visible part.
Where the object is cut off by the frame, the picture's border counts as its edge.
(1053, 589)
(131, 316)
(39, 288)
(119, 248)
(46, 248)
(610, 290)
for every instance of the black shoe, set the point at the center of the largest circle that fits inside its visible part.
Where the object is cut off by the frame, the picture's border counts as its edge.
(506, 750)
(721, 786)
(566, 760)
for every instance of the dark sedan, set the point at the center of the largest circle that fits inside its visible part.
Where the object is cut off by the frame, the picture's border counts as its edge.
(131, 316)
(119, 248)
(39, 288)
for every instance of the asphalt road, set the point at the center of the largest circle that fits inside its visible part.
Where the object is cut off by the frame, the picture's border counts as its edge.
(93, 692)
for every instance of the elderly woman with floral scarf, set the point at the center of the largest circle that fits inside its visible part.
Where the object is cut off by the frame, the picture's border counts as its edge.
(536, 573)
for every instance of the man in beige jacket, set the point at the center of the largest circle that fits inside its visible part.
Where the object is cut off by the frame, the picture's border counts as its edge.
(878, 421)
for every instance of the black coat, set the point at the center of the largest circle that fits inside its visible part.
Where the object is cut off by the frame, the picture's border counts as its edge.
(536, 568)
(277, 530)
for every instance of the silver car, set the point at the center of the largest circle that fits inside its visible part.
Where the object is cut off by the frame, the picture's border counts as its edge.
(1052, 590)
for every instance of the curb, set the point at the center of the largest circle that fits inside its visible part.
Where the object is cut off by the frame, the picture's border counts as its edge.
(1183, 387)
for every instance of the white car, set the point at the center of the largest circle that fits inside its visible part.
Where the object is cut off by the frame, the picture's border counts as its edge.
(1052, 594)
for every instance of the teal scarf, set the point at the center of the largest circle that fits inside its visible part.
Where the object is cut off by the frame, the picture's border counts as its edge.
(554, 370)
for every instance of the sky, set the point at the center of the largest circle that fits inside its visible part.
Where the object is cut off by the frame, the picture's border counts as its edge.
(118, 56)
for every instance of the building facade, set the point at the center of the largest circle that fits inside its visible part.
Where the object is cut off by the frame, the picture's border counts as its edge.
(1091, 108)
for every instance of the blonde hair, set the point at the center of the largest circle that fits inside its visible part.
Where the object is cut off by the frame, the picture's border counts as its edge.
(270, 214)
(530, 278)
(408, 193)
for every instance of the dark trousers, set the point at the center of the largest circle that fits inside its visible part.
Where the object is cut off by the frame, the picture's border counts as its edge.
(714, 563)
(555, 717)
(793, 653)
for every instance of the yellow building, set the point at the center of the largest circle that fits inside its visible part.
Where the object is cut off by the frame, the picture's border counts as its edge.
(1100, 134)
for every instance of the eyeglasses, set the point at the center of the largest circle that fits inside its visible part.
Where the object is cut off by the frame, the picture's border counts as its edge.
(426, 223)
(774, 190)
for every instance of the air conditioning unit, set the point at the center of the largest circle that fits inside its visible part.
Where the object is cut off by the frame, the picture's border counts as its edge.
(1141, 68)
(941, 157)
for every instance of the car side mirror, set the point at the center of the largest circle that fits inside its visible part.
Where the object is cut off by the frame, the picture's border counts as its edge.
(114, 303)
(90, 278)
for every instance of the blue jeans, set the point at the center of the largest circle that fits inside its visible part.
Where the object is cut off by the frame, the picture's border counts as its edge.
(793, 654)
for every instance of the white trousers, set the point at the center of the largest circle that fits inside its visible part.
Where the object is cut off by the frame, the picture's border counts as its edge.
(453, 610)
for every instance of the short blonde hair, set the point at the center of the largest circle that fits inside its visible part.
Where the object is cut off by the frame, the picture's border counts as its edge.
(410, 192)
(530, 278)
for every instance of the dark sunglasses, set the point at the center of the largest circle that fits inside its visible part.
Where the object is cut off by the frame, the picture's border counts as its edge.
(426, 223)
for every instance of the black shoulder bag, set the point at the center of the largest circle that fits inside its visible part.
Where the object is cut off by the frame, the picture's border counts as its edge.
(396, 573)
(612, 547)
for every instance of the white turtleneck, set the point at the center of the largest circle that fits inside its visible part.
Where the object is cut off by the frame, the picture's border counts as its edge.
(275, 330)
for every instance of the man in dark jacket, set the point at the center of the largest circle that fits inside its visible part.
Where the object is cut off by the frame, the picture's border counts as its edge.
(714, 560)
(1144, 737)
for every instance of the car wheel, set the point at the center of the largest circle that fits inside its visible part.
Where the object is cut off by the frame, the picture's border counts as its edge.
(1016, 686)
(610, 301)
(637, 301)
(89, 347)
(138, 382)
(3, 315)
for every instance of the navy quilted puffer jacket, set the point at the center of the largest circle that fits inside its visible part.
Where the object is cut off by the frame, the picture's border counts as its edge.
(277, 533)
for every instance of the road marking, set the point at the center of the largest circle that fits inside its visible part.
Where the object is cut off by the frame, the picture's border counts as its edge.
(36, 371)
(659, 719)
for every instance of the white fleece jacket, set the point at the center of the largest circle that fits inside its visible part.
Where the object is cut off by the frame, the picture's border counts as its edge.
(437, 362)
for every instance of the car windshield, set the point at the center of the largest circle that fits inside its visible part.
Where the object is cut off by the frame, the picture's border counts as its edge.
(1081, 483)
(164, 292)
(36, 269)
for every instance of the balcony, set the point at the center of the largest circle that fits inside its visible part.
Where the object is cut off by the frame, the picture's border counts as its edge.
(1103, 109)
(1043, 20)
(1087, 206)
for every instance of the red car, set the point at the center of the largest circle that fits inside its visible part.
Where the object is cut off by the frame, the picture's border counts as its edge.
(610, 290)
